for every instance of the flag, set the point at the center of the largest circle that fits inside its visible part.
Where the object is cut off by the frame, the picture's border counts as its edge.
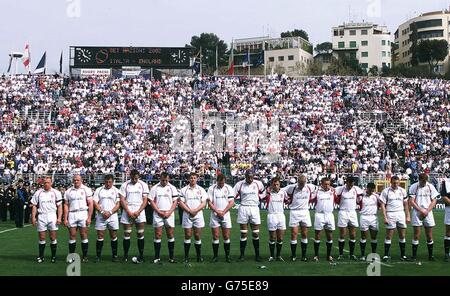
(40, 69)
(196, 67)
(60, 62)
(231, 61)
(231, 69)
(10, 63)
(246, 60)
(259, 60)
(26, 58)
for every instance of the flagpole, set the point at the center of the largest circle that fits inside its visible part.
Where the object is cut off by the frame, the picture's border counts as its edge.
(201, 71)
(217, 59)
(249, 61)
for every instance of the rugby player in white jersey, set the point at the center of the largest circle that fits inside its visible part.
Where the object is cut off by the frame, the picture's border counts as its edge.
(46, 213)
(368, 220)
(163, 199)
(133, 198)
(220, 201)
(324, 199)
(192, 200)
(348, 196)
(78, 208)
(395, 209)
(299, 196)
(423, 198)
(250, 192)
(107, 203)
(445, 193)
(276, 220)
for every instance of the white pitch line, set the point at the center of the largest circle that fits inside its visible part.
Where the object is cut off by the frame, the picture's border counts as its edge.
(11, 229)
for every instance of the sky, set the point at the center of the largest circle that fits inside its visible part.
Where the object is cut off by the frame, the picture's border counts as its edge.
(54, 25)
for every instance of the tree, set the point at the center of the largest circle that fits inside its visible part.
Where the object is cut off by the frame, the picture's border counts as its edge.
(295, 33)
(432, 52)
(373, 70)
(208, 42)
(325, 47)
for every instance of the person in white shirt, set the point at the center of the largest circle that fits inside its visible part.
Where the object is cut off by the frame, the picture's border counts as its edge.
(250, 192)
(163, 199)
(299, 195)
(78, 208)
(276, 220)
(220, 201)
(395, 209)
(46, 214)
(348, 196)
(423, 198)
(368, 219)
(445, 193)
(324, 199)
(192, 201)
(107, 204)
(133, 198)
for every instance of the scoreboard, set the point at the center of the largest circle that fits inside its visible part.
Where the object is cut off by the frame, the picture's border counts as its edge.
(118, 57)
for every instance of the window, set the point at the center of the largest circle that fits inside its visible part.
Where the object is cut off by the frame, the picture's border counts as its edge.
(429, 23)
(430, 34)
(389, 43)
(290, 58)
(352, 44)
(341, 44)
(389, 53)
(364, 65)
(271, 59)
(352, 32)
(341, 33)
(336, 32)
(383, 42)
(384, 65)
(281, 58)
(364, 43)
(383, 54)
(364, 54)
(364, 32)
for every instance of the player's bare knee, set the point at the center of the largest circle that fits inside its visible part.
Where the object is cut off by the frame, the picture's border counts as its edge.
(244, 233)
(255, 233)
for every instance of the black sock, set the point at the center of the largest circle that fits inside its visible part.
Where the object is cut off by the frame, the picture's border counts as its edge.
(215, 247)
(329, 246)
(243, 245)
(316, 248)
(72, 247)
(157, 246)
(198, 249)
(386, 249)
(226, 246)
(351, 245)
(374, 247)
(430, 248)
(41, 250)
(126, 247)
(402, 248)
(362, 246)
(341, 247)
(141, 244)
(446, 246)
(294, 250)
(272, 248)
(98, 248)
(279, 246)
(187, 247)
(84, 248)
(114, 247)
(414, 250)
(304, 246)
(53, 248)
(171, 245)
(256, 247)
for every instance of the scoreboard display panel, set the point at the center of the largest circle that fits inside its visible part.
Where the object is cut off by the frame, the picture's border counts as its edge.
(117, 57)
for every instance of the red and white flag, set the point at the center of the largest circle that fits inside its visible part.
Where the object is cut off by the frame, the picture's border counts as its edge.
(26, 58)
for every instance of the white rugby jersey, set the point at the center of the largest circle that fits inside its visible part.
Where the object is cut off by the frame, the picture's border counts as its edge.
(348, 199)
(77, 198)
(324, 200)
(424, 195)
(193, 197)
(369, 204)
(220, 197)
(393, 199)
(250, 194)
(164, 196)
(46, 201)
(299, 198)
(134, 193)
(106, 198)
(275, 202)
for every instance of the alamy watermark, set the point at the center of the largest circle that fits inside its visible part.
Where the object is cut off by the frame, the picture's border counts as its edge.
(373, 8)
(74, 267)
(73, 9)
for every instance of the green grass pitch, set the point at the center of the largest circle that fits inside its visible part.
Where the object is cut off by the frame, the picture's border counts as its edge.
(18, 252)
